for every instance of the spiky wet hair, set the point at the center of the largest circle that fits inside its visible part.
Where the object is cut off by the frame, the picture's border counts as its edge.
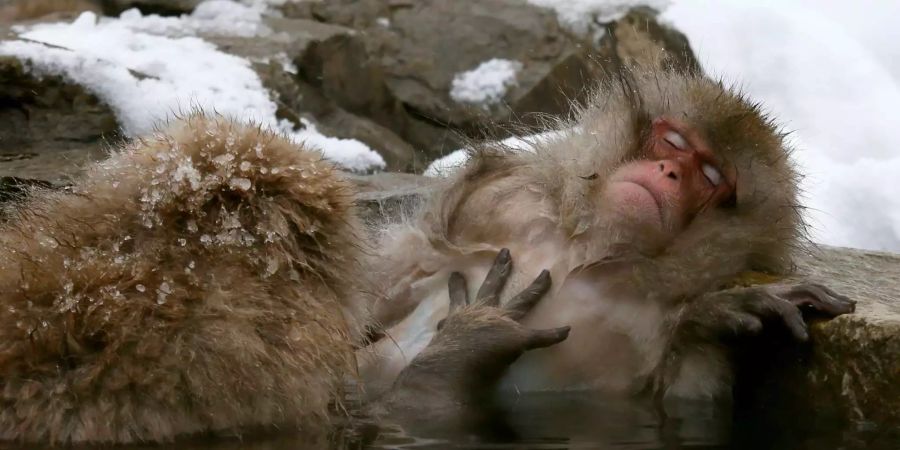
(199, 280)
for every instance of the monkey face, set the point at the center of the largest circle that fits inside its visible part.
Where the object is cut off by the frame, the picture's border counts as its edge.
(678, 177)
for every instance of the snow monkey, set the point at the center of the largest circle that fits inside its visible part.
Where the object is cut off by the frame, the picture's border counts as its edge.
(214, 278)
(201, 280)
(664, 190)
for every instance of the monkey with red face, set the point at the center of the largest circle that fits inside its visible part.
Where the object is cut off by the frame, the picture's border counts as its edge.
(664, 190)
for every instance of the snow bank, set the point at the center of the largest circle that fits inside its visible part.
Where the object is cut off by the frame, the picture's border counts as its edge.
(840, 100)
(148, 68)
(485, 84)
(580, 16)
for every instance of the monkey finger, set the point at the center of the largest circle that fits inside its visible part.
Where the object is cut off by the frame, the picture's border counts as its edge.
(546, 338)
(744, 323)
(489, 292)
(820, 299)
(522, 303)
(769, 305)
(459, 292)
(791, 316)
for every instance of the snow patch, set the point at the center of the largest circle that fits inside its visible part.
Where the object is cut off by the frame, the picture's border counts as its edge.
(150, 68)
(485, 84)
(581, 16)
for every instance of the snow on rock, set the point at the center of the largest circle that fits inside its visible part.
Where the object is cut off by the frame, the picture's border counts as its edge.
(580, 16)
(442, 167)
(823, 84)
(214, 17)
(150, 68)
(485, 84)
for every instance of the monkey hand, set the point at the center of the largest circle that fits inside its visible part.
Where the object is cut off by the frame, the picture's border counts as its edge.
(475, 343)
(744, 311)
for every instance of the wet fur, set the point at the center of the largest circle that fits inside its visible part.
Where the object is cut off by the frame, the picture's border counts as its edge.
(200, 280)
(504, 198)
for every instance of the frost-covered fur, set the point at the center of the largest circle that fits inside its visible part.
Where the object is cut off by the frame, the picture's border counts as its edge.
(197, 281)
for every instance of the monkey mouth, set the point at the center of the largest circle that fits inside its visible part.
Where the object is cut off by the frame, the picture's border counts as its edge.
(639, 198)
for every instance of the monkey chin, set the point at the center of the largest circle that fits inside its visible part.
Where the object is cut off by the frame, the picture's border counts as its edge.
(634, 203)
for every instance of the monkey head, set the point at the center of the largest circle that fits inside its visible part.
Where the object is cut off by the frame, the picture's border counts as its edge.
(682, 172)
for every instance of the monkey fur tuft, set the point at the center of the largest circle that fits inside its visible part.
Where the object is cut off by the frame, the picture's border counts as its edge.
(197, 281)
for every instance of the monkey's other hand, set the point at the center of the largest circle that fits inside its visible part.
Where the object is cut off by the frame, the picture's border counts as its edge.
(475, 343)
(742, 311)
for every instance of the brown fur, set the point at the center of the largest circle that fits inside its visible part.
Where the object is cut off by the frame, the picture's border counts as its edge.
(549, 197)
(758, 234)
(200, 280)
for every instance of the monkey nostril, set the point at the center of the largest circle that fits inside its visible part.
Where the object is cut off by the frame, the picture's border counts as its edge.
(672, 175)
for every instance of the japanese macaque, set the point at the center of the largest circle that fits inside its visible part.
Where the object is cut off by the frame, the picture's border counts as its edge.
(202, 280)
(645, 210)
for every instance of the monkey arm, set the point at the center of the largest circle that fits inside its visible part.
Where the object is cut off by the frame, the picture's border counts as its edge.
(707, 324)
(474, 345)
(744, 310)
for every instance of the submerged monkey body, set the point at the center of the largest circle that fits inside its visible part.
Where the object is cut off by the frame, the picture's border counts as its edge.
(627, 258)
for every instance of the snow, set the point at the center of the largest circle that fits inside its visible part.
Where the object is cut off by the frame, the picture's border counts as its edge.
(446, 165)
(485, 84)
(212, 17)
(816, 76)
(581, 16)
(150, 68)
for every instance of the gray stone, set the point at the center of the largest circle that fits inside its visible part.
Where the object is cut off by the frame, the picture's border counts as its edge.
(853, 371)
(161, 7)
(49, 128)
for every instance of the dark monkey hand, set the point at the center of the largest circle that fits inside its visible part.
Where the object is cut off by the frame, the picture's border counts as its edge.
(475, 344)
(743, 311)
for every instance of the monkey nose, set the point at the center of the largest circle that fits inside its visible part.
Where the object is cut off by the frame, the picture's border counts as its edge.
(670, 169)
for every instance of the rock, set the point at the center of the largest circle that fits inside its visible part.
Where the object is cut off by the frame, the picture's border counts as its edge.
(20, 10)
(49, 128)
(161, 7)
(294, 42)
(850, 372)
(411, 51)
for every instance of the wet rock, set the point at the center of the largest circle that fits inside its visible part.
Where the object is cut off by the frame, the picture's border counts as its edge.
(49, 128)
(852, 372)
(161, 7)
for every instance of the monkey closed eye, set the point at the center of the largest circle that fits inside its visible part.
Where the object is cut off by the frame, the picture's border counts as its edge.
(476, 342)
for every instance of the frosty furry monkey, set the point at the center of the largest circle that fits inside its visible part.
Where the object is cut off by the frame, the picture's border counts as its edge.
(211, 278)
